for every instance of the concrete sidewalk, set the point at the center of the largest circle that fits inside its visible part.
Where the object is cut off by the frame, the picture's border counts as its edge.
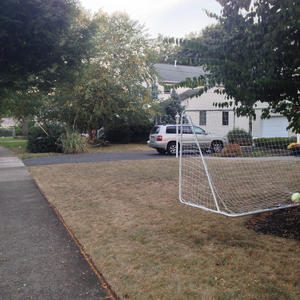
(38, 257)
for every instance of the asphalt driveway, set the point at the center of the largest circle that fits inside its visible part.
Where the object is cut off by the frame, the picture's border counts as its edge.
(92, 157)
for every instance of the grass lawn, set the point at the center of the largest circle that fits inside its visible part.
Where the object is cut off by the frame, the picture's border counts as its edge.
(149, 246)
(18, 146)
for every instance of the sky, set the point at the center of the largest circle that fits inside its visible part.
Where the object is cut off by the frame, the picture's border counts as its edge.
(173, 18)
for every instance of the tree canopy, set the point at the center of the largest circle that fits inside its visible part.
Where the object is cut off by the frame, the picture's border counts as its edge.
(254, 52)
(112, 86)
(37, 38)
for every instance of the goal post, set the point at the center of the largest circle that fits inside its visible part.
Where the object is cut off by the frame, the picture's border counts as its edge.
(242, 177)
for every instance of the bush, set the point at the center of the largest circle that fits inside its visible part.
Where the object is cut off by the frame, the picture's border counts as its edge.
(73, 142)
(239, 136)
(140, 133)
(18, 131)
(118, 134)
(124, 133)
(40, 142)
(6, 132)
(274, 143)
(232, 150)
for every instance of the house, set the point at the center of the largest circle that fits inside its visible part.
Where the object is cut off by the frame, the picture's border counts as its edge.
(202, 111)
(8, 122)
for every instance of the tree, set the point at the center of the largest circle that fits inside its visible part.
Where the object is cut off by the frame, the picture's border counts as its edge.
(35, 37)
(254, 52)
(170, 108)
(45, 42)
(113, 82)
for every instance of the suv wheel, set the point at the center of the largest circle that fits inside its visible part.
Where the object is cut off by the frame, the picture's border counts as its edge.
(171, 149)
(216, 146)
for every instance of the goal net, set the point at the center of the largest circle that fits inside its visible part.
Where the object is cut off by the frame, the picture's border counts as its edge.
(237, 174)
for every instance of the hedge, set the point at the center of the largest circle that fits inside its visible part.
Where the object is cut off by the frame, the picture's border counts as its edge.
(274, 143)
(240, 137)
(6, 132)
(128, 133)
(40, 142)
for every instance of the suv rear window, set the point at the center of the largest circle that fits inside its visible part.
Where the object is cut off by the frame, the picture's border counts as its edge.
(154, 130)
(171, 129)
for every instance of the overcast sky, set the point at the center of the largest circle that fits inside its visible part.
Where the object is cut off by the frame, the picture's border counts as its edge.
(168, 17)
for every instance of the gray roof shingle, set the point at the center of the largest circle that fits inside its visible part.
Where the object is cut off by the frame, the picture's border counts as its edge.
(175, 74)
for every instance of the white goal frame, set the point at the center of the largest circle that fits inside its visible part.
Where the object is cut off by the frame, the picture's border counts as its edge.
(220, 205)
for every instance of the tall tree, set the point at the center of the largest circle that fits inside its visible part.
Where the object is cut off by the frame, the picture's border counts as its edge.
(37, 37)
(254, 51)
(114, 81)
(44, 43)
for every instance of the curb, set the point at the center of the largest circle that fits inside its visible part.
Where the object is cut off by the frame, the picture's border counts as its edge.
(104, 283)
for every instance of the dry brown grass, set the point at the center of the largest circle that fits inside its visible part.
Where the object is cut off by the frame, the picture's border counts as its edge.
(149, 246)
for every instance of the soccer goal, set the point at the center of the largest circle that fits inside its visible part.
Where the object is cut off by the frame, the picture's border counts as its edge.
(241, 176)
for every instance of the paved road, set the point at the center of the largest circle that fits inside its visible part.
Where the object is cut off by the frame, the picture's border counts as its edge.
(122, 156)
(38, 257)
(92, 157)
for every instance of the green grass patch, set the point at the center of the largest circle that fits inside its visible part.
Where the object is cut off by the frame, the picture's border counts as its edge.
(12, 143)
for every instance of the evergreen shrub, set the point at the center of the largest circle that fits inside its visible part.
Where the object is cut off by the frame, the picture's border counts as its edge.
(40, 142)
(239, 136)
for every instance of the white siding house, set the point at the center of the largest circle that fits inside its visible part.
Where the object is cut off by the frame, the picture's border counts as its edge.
(209, 117)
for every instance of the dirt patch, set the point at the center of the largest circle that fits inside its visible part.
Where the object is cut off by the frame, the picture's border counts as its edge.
(283, 223)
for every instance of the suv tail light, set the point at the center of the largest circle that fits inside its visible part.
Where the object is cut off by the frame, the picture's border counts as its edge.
(159, 138)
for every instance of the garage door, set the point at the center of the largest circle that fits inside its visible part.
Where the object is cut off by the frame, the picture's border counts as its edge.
(275, 127)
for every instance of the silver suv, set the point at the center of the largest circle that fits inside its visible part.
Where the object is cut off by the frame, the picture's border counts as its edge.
(163, 139)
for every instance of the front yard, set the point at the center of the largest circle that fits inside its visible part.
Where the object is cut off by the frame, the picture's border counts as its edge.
(149, 246)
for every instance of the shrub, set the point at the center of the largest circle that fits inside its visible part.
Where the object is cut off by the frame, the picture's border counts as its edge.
(39, 141)
(295, 148)
(274, 143)
(120, 133)
(124, 133)
(73, 142)
(6, 132)
(232, 150)
(239, 136)
(140, 133)
(18, 131)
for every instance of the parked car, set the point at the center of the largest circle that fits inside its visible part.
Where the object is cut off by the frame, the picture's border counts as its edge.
(163, 139)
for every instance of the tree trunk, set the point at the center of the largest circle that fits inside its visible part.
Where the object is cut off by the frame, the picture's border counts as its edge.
(25, 125)
(92, 135)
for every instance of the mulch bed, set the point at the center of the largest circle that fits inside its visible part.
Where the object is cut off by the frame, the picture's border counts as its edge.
(283, 223)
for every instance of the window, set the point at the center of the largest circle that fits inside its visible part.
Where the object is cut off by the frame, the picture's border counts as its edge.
(155, 130)
(225, 118)
(202, 117)
(199, 130)
(167, 90)
(171, 129)
(187, 130)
